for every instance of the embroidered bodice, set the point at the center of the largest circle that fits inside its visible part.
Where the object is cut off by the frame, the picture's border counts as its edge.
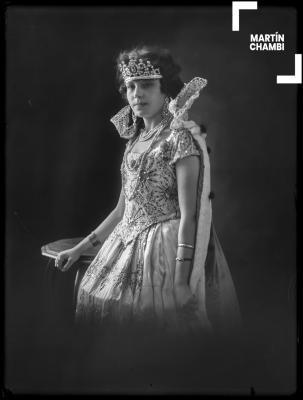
(150, 185)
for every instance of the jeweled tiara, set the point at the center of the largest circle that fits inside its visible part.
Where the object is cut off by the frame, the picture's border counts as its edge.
(138, 69)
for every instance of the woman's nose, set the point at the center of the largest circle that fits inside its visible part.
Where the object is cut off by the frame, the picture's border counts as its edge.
(137, 91)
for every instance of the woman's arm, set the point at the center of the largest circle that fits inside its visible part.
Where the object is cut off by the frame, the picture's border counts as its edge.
(187, 170)
(67, 258)
(106, 226)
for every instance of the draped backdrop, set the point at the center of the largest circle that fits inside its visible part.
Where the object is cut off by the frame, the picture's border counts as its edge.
(63, 158)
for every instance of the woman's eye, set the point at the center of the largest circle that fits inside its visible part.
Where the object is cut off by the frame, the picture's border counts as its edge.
(146, 84)
(143, 85)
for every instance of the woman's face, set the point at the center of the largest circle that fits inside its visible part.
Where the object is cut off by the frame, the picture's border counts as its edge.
(145, 97)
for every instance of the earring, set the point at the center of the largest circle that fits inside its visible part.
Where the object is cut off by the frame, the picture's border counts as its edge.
(134, 118)
(165, 111)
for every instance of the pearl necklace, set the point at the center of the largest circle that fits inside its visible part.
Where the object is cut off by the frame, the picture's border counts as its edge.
(158, 128)
(145, 135)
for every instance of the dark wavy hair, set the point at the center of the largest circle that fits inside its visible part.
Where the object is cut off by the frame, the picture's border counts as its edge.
(171, 83)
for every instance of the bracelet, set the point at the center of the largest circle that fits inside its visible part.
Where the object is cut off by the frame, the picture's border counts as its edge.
(183, 259)
(94, 239)
(186, 245)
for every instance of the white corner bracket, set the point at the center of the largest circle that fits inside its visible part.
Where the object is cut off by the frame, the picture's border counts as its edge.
(241, 5)
(297, 77)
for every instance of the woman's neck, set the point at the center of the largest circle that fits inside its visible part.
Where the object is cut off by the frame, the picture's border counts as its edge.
(150, 123)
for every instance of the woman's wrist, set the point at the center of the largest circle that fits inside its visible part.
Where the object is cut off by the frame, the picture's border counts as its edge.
(93, 239)
(184, 259)
(185, 251)
(84, 245)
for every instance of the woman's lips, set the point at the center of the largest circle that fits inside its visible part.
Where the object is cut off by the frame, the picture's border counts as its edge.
(140, 105)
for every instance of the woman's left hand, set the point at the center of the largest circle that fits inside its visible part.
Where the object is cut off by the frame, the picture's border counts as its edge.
(184, 298)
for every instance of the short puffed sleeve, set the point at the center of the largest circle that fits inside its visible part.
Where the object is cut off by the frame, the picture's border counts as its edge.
(183, 145)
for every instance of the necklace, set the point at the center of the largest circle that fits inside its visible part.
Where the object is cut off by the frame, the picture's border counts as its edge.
(136, 167)
(145, 135)
(156, 130)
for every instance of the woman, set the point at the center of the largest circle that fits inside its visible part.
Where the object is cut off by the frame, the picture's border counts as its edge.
(160, 261)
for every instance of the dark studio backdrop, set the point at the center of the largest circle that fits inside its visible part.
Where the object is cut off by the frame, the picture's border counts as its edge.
(63, 159)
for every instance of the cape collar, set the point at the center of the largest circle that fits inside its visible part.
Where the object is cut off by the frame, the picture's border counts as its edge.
(178, 107)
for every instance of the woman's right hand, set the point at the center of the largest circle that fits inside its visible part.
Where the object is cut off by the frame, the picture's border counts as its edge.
(65, 259)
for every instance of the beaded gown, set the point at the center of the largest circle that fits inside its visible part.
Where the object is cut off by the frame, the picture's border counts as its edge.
(131, 279)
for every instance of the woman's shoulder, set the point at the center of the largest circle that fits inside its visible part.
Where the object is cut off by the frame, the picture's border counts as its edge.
(180, 136)
(181, 143)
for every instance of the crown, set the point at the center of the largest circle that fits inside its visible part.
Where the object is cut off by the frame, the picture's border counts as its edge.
(138, 69)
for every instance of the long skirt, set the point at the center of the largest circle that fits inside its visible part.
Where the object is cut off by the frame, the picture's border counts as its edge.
(133, 285)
